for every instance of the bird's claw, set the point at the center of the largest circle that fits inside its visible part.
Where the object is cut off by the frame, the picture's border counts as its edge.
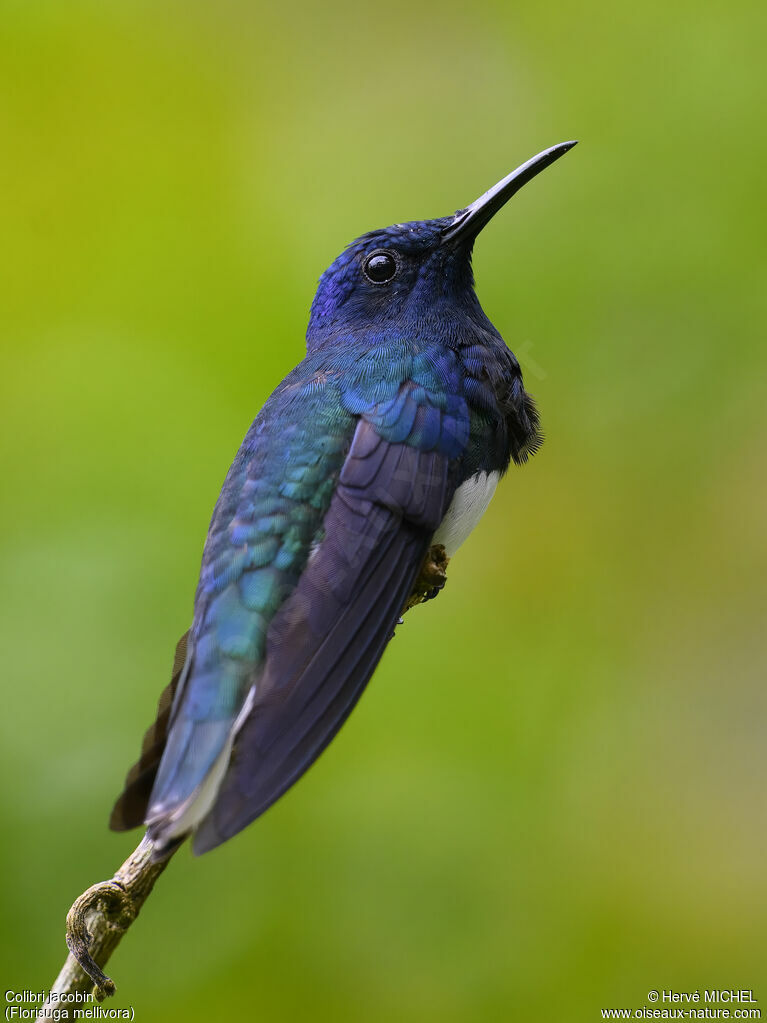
(431, 578)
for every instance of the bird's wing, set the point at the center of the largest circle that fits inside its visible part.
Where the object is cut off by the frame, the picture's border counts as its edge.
(326, 640)
(317, 537)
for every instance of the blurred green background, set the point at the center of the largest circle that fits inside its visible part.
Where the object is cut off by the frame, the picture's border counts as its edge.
(551, 797)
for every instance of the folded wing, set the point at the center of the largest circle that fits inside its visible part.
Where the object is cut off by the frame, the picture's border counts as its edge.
(325, 641)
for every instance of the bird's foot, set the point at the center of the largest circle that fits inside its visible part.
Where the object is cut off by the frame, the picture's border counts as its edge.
(431, 579)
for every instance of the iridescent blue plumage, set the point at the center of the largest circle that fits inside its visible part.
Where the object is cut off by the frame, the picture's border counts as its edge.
(407, 393)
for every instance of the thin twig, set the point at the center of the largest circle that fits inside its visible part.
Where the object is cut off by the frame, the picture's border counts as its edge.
(95, 926)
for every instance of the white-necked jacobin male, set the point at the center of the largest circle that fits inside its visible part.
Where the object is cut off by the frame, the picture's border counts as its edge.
(363, 473)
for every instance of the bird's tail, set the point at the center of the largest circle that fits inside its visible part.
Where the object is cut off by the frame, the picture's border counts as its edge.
(190, 775)
(186, 752)
(212, 705)
(130, 809)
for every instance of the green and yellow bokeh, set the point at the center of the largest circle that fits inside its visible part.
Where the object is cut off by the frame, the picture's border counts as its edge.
(551, 797)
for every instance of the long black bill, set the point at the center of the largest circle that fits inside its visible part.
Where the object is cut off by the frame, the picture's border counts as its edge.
(469, 222)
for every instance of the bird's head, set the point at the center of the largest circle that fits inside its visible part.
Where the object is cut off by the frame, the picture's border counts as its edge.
(413, 274)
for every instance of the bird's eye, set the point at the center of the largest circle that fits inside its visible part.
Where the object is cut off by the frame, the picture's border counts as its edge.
(380, 267)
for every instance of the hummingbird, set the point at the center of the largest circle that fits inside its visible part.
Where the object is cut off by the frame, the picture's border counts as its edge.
(359, 479)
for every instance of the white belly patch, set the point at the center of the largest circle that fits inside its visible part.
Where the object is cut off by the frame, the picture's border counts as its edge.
(469, 504)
